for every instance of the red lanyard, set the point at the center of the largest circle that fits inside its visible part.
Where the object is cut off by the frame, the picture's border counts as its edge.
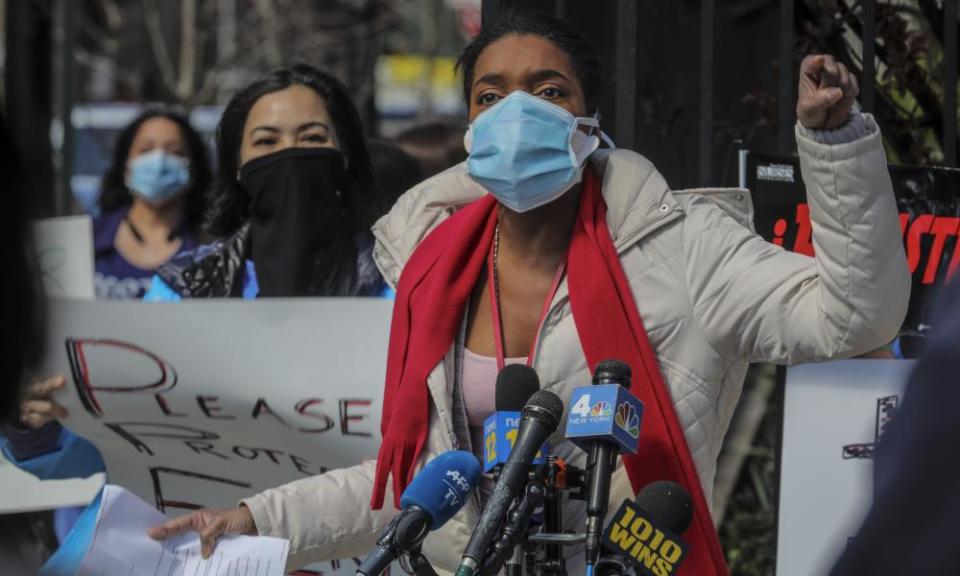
(495, 308)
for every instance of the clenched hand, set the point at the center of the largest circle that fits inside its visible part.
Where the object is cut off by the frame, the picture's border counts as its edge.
(827, 92)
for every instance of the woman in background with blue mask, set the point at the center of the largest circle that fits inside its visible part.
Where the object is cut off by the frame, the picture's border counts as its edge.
(152, 202)
(546, 249)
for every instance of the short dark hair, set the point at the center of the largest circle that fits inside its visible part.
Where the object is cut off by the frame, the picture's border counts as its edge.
(436, 144)
(230, 207)
(113, 188)
(523, 22)
(394, 170)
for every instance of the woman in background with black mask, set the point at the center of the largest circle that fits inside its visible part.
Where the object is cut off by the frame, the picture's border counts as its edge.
(293, 200)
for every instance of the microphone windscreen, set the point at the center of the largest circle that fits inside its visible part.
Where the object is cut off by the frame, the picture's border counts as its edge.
(516, 383)
(667, 504)
(443, 486)
(546, 407)
(613, 371)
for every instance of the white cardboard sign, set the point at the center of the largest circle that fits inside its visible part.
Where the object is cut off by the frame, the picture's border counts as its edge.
(201, 403)
(834, 413)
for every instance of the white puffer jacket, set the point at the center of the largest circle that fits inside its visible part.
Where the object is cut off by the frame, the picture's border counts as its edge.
(713, 296)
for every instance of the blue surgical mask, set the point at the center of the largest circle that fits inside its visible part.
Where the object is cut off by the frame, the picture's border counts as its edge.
(528, 152)
(156, 175)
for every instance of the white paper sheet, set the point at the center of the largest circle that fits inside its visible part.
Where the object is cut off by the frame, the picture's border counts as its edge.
(23, 492)
(121, 546)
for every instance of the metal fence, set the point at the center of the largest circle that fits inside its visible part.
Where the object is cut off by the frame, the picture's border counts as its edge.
(621, 57)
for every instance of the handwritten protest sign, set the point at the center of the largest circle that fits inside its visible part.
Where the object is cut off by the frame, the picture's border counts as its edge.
(201, 403)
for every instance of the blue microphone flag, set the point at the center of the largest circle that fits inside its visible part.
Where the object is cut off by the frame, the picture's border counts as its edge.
(606, 412)
(443, 486)
(500, 431)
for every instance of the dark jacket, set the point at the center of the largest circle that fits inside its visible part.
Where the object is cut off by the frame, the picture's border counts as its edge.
(915, 518)
(115, 277)
(221, 269)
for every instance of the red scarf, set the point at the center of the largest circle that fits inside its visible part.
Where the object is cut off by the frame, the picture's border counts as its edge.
(432, 294)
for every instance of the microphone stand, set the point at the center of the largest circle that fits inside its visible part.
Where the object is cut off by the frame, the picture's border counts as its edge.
(421, 566)
(553, 562)
(515, 529)
(545, 488)
(560, 477)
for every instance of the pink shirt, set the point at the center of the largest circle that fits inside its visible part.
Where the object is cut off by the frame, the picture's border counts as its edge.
(480, 392)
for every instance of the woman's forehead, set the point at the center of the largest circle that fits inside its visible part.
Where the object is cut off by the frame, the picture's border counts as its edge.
(158, 127)
(516, 56)
(290, 105)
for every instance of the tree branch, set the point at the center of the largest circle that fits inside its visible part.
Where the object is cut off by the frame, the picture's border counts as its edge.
(151, 17)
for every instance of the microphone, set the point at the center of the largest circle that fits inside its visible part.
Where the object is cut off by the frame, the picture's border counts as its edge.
(515, 528)
(539, 418)
(516, 383)
(644, 535)
(604, 421)
(431, 499)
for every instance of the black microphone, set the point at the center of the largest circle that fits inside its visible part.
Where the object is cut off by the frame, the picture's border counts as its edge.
(668, 504)
(516, 383)
(601, 462)
(539, 419)
(644, 535)
(436, 493)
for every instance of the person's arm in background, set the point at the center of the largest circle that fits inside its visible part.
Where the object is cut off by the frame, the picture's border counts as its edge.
(912, 525)
(41, 446)
(758, 301)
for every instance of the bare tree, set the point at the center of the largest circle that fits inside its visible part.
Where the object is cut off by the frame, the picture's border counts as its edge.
(194, 53)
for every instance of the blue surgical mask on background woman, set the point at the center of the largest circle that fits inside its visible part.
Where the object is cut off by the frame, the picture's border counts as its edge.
(157, 175)
(528, 152)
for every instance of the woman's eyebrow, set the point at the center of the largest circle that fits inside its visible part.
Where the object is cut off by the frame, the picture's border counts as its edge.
(495, 79)
(265, 128)
(536, 77)
(312, 124)
(546, 74)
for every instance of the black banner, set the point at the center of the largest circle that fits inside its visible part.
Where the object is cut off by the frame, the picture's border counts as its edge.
(928, 199)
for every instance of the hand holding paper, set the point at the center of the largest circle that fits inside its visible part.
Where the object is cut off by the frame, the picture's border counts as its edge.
(210, 524)
(121, 546)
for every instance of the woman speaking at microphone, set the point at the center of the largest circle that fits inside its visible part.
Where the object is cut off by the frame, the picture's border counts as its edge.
(547, 248)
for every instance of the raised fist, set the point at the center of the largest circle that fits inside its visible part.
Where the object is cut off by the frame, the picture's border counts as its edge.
(827, 92)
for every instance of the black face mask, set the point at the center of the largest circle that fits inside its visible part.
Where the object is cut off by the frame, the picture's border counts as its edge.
(296, 213)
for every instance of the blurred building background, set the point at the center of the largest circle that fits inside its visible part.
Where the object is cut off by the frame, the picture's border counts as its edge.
(97, 62)
(687, 83)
